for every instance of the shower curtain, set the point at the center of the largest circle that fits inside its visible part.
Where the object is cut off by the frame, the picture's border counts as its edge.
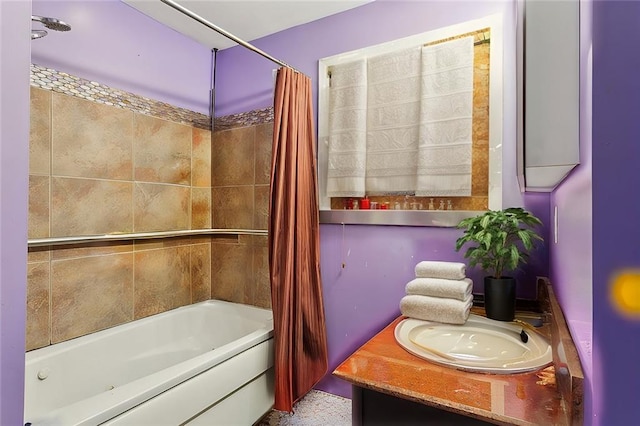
(294, 247)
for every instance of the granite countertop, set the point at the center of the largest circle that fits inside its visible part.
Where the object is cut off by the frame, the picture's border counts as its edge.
(384, 366)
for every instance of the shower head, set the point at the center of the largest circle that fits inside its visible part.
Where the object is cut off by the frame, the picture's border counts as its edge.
(52, 23)
(35, 34)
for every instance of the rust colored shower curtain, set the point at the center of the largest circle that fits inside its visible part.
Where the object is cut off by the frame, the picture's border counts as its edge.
(294, 247)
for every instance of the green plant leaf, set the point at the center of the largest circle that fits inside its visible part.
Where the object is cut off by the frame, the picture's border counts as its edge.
(525, 237)
(514, 257)
(485, 221)
(499, 239)
(487, 240)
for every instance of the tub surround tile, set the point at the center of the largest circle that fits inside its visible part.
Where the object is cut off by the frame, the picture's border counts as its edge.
(38, 254)
(72, 251)
(232, 207)
(102, 162)
(49, 79)
(244, 119)
(225, 239)
(162, 152)
(200, 208)
(200, 272)
(38, 327)
(90, 140)
(263, 147)
(247, 240)
(40, 132)
(201, 158)
(162, 280)
(261, 280)
(161, 207)
(89, 207)
(160, 243)
(38, 219)
(83, 302)
(261, 203)
(202, 239)
(231, 271)
(232, 157)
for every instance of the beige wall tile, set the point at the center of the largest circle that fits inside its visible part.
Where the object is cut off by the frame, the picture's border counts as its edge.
(200, 272)
(38, 254)
(160, 243)
(161, 207)
(231, 271)
(162, 280)
(38, 329)
(162, 152)
(225, 239)
(261, 211)
(38, 221)
(40, 132)
(200, 208)
(232, 207)
(261, 280)
(201, 158)
(264, 141)
(90, 140)
(90, 294)
(87, 206)
(232, 157)
(91, 249)
(246, 240)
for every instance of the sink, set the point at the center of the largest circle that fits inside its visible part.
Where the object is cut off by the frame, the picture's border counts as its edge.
(480, 345)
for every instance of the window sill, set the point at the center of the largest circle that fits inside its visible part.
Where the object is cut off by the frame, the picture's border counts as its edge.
(435, 218)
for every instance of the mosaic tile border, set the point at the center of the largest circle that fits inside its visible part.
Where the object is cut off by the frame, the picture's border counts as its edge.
(58, 81)
(251, 118)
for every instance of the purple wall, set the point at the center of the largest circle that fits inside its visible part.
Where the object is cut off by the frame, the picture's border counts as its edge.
(364, 296)
(571, 258)
(616, 206)
(244, 79)
(114, 44)
(14, 162)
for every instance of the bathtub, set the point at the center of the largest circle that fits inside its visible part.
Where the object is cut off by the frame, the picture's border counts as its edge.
(203, 364)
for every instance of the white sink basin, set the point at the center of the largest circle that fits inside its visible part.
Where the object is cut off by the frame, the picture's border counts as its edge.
(480, 345)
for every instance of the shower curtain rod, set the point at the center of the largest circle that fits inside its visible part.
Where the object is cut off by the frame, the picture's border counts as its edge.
(227, 34)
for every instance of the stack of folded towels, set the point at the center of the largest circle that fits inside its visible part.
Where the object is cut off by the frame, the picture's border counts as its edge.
(440, 292)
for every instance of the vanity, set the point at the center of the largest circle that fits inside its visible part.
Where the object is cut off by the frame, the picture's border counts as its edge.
(393, 386)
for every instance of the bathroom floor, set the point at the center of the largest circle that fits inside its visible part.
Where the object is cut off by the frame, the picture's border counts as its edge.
(317, 408)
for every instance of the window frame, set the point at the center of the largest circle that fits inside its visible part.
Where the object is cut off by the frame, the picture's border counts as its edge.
(417, 217)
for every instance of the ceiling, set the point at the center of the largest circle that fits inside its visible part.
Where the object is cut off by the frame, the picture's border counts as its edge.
(246, 19)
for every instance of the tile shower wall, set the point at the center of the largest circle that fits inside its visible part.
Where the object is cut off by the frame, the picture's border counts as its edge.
(106, 161)
(241, 164)
(96, 168)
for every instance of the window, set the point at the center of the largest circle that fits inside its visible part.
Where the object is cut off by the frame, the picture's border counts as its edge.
(397, 178)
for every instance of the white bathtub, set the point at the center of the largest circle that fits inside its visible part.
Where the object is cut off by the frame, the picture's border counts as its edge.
(208, 363)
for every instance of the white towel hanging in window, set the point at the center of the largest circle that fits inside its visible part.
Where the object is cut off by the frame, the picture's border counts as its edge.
(445, 147)
(393, 104)
(347, 130)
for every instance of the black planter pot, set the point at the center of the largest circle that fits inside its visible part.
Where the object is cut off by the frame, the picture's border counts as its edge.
(500, 298)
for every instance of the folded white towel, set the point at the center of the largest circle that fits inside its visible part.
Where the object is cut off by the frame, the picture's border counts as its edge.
(440, 287)
(437, 309)
(438, 269)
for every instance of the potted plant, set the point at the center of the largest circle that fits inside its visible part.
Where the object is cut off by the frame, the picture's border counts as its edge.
(499, 242)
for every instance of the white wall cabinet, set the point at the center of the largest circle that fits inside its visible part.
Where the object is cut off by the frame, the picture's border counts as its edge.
(549, 85)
